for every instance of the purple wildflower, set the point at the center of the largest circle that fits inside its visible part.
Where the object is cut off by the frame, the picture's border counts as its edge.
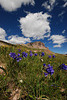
(10, 53)
(13, 55)
(18, 59)
(49, 56)
(19, 50)
(42, 54)
(44, 64)
(49, 65)
(35, 54)
(63, 66)
(30, 51)
(18, 55)
(24, 54)
(53, 56)
(50, 70)
(45, 74)
(31, 54)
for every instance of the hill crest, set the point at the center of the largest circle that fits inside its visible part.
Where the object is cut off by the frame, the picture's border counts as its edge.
(37, 46)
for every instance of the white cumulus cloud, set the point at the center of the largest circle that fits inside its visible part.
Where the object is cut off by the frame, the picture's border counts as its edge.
(58, 39)
(35, 25)
(15, 39)
(12, 5)
(49, 5)
(2, 34)
(58, 45)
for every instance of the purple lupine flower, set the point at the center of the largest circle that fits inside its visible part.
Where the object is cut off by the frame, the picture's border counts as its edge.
(49, 56)
(35, 54)
(45, 74)
(24, 54)
(49, 65)
(42, 54)
(13, 55)
(10, 53)
(63, 66)
(30, 51)
(31, 54)
(53, 56)
(18, 55)
(18, 59)
(19, 50)
(44, 64)
(50, 70)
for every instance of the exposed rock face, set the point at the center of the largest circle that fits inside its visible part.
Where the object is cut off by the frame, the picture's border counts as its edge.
(38, 45)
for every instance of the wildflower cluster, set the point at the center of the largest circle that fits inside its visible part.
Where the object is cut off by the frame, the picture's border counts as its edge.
(49, 69)
(63, 66)
(49, 56)
(24, 54)
(31, 54)
(14, 56)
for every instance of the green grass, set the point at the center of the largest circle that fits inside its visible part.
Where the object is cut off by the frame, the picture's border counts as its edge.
(34, 86)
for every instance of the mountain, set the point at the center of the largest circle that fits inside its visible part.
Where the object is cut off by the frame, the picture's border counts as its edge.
(37, 46)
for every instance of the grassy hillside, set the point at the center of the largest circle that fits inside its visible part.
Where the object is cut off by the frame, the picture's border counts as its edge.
(26, 80)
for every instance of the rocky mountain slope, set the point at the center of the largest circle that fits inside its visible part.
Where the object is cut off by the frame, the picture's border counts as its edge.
(37, 46)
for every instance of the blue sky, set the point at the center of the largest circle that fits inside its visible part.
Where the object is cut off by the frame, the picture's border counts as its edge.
(24, 21)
